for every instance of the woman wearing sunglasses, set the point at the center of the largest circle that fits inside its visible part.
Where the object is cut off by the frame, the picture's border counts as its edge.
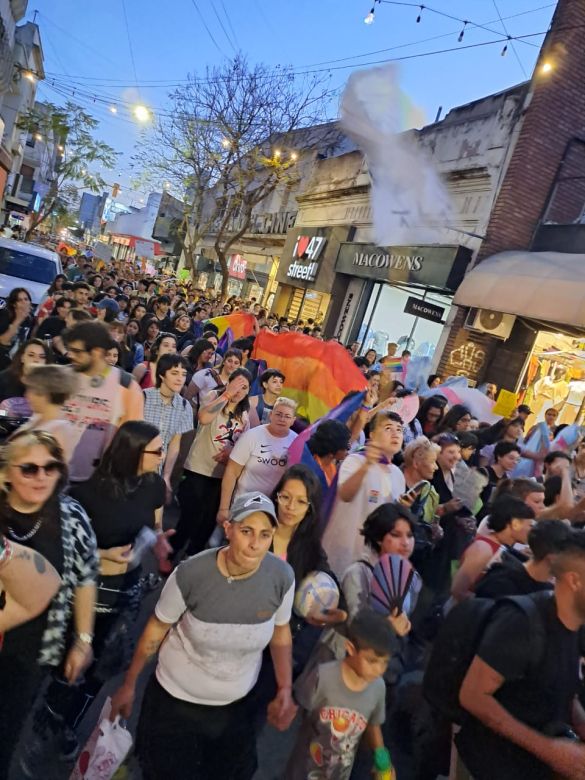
(35, 513)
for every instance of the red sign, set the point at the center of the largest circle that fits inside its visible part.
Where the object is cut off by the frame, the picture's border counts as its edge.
(237, 267)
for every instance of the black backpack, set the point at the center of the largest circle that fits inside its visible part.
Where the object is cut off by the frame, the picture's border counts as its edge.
(458, 640)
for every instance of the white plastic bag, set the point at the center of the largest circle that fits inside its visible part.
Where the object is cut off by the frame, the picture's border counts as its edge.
(105, 750)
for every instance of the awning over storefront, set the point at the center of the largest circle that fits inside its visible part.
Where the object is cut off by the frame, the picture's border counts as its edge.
(546, 286)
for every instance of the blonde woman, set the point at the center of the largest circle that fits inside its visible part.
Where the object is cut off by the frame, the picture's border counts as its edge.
(36, 514)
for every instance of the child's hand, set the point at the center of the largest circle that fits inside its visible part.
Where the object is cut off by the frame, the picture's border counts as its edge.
(400, 622)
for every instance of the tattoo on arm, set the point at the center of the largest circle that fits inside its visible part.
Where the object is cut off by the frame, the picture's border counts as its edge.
(23, 555)
(152, 648)
(40, 563)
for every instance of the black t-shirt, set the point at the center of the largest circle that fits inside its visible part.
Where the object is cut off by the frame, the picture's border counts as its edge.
(508, 578)
(538, 693)
(25, 640)
(51, 327)
(118, 517)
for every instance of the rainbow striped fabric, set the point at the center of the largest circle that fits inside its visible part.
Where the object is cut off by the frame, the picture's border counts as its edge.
(395, 365)
(240, 323)
(318, 373)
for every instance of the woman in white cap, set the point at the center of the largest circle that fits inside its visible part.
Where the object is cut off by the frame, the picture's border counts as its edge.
(217, 613)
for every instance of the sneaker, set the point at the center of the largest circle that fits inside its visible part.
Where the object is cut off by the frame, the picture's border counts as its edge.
(70, 746)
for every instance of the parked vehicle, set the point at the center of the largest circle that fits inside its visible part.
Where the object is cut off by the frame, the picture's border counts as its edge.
(27, 265)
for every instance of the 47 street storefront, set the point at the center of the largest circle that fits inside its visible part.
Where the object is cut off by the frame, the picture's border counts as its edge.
(396, 294)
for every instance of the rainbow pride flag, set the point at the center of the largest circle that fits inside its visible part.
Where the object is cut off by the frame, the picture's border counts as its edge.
(395, 365)
(233, 326)
(318, 373)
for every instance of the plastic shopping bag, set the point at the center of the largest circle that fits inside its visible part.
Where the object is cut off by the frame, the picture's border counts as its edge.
(105, 750)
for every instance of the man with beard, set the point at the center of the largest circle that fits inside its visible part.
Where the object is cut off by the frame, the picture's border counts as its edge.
(106, 398)
(521, 688)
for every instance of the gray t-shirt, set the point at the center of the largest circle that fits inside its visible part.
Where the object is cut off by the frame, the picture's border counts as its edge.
(211, 439)
(213, 653)
(333, 724)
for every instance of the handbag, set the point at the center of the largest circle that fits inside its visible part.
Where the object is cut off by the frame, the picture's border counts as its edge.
(105, 750)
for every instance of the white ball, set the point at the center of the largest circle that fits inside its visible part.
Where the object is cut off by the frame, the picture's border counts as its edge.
(316, 593)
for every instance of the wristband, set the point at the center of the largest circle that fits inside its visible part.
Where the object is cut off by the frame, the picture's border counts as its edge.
(382, 762)
(366, 408)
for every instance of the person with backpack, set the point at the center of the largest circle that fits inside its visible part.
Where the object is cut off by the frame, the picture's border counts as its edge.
(165, 408)
(511, 577)
(507, 672)
(509, 523)
(521, 687)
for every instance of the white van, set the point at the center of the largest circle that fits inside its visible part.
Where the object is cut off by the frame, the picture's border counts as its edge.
(27, 265)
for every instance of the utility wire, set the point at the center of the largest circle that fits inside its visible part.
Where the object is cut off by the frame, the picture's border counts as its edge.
(204, 23)
(222, 25)
(131, 50)
(229, 21)
(522, 68)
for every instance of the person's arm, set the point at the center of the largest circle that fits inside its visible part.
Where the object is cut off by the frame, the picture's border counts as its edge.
(80, 655)
(209, 411)
(474, 561)
(21, 312)
(282, 709)
(134, 403)
(578, 719)
(29, 583)
(139, 371)
(148, 646)
(566, 497)
(171, 459)
(481, 682)
(348, 489)
(228, 483)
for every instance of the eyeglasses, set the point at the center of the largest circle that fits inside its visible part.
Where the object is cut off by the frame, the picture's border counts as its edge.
(295, 503)
(51, 468)
(160, 452)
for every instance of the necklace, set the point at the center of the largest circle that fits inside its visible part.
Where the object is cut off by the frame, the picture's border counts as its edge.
(231, 577)
(29, 535)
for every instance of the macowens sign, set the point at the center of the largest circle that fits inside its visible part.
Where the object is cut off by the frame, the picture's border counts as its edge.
(306, 248)
(440, 266)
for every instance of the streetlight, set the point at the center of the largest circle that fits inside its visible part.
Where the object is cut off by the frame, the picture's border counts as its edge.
(113, 109)
(370, 17)
(294, 156)
(141, 113)
(28, 74)
(546, 67)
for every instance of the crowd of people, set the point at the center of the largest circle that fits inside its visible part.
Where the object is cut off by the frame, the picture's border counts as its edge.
(138, 456)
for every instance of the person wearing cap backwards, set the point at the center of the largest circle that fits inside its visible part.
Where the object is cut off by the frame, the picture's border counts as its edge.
(216, 614)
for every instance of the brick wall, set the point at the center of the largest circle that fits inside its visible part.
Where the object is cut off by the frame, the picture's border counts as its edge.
(554, 113)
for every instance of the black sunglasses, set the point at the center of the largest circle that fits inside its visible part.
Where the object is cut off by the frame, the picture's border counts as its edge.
(32, 469)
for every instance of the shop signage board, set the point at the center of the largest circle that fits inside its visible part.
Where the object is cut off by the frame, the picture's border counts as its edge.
(237, 266)
(306, 248)
(424, 309)
(350, 304)
(438, 266)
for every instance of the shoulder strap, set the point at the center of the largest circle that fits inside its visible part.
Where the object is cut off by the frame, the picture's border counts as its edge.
(366, 563)
(533, 607)
(125, 379)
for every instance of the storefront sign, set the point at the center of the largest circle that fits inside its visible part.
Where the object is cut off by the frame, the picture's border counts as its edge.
(306, 248)
(424, 309)
(437, 266)
(237, 266)
(350, 304)
(144, 248)
(275, 223)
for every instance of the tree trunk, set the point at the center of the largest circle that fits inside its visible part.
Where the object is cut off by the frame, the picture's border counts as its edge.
(224, 271)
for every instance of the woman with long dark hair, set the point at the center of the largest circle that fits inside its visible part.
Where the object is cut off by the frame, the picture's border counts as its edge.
(145, 373)
(211, 379)
(12, 380)
(431, 413)
(149, 332)
(457, 420)
(198, 355)
(222, 420)
(15, 322)
(35, 513)
(124, 496)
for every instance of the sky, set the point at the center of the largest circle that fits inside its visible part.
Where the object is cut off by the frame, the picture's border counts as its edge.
(117, 52)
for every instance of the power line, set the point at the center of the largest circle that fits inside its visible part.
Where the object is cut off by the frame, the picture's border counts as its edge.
(166, 83)
(229, 21)
(221, 24)
(215, 43)
(522, 68)
(130, 49)
(464, 22)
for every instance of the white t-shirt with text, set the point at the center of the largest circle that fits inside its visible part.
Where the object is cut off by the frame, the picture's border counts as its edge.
(264, 458)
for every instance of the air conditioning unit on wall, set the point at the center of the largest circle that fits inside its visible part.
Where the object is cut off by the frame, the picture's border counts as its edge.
(495, 323)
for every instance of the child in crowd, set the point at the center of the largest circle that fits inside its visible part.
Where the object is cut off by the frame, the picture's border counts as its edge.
(343, 701)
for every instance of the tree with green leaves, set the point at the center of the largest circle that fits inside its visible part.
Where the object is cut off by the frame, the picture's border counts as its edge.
(69, 130)
(229, 141)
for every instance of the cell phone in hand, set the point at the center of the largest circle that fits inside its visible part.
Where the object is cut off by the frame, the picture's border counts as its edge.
(415, 491)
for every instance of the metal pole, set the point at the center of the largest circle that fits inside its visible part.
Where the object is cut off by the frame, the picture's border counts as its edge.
(372, 315)
(416, 319)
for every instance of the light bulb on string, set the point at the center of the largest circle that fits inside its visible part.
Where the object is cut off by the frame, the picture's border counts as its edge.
(113, 109)
(462, 33)
(504, 51)
(419, 17)
(141, 113)
(371, 16)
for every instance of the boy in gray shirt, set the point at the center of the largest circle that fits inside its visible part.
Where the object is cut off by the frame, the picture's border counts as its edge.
(343, 701)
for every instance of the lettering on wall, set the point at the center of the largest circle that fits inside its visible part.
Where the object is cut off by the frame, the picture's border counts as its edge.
(466, 359)
(306, 248)
(400, 262)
